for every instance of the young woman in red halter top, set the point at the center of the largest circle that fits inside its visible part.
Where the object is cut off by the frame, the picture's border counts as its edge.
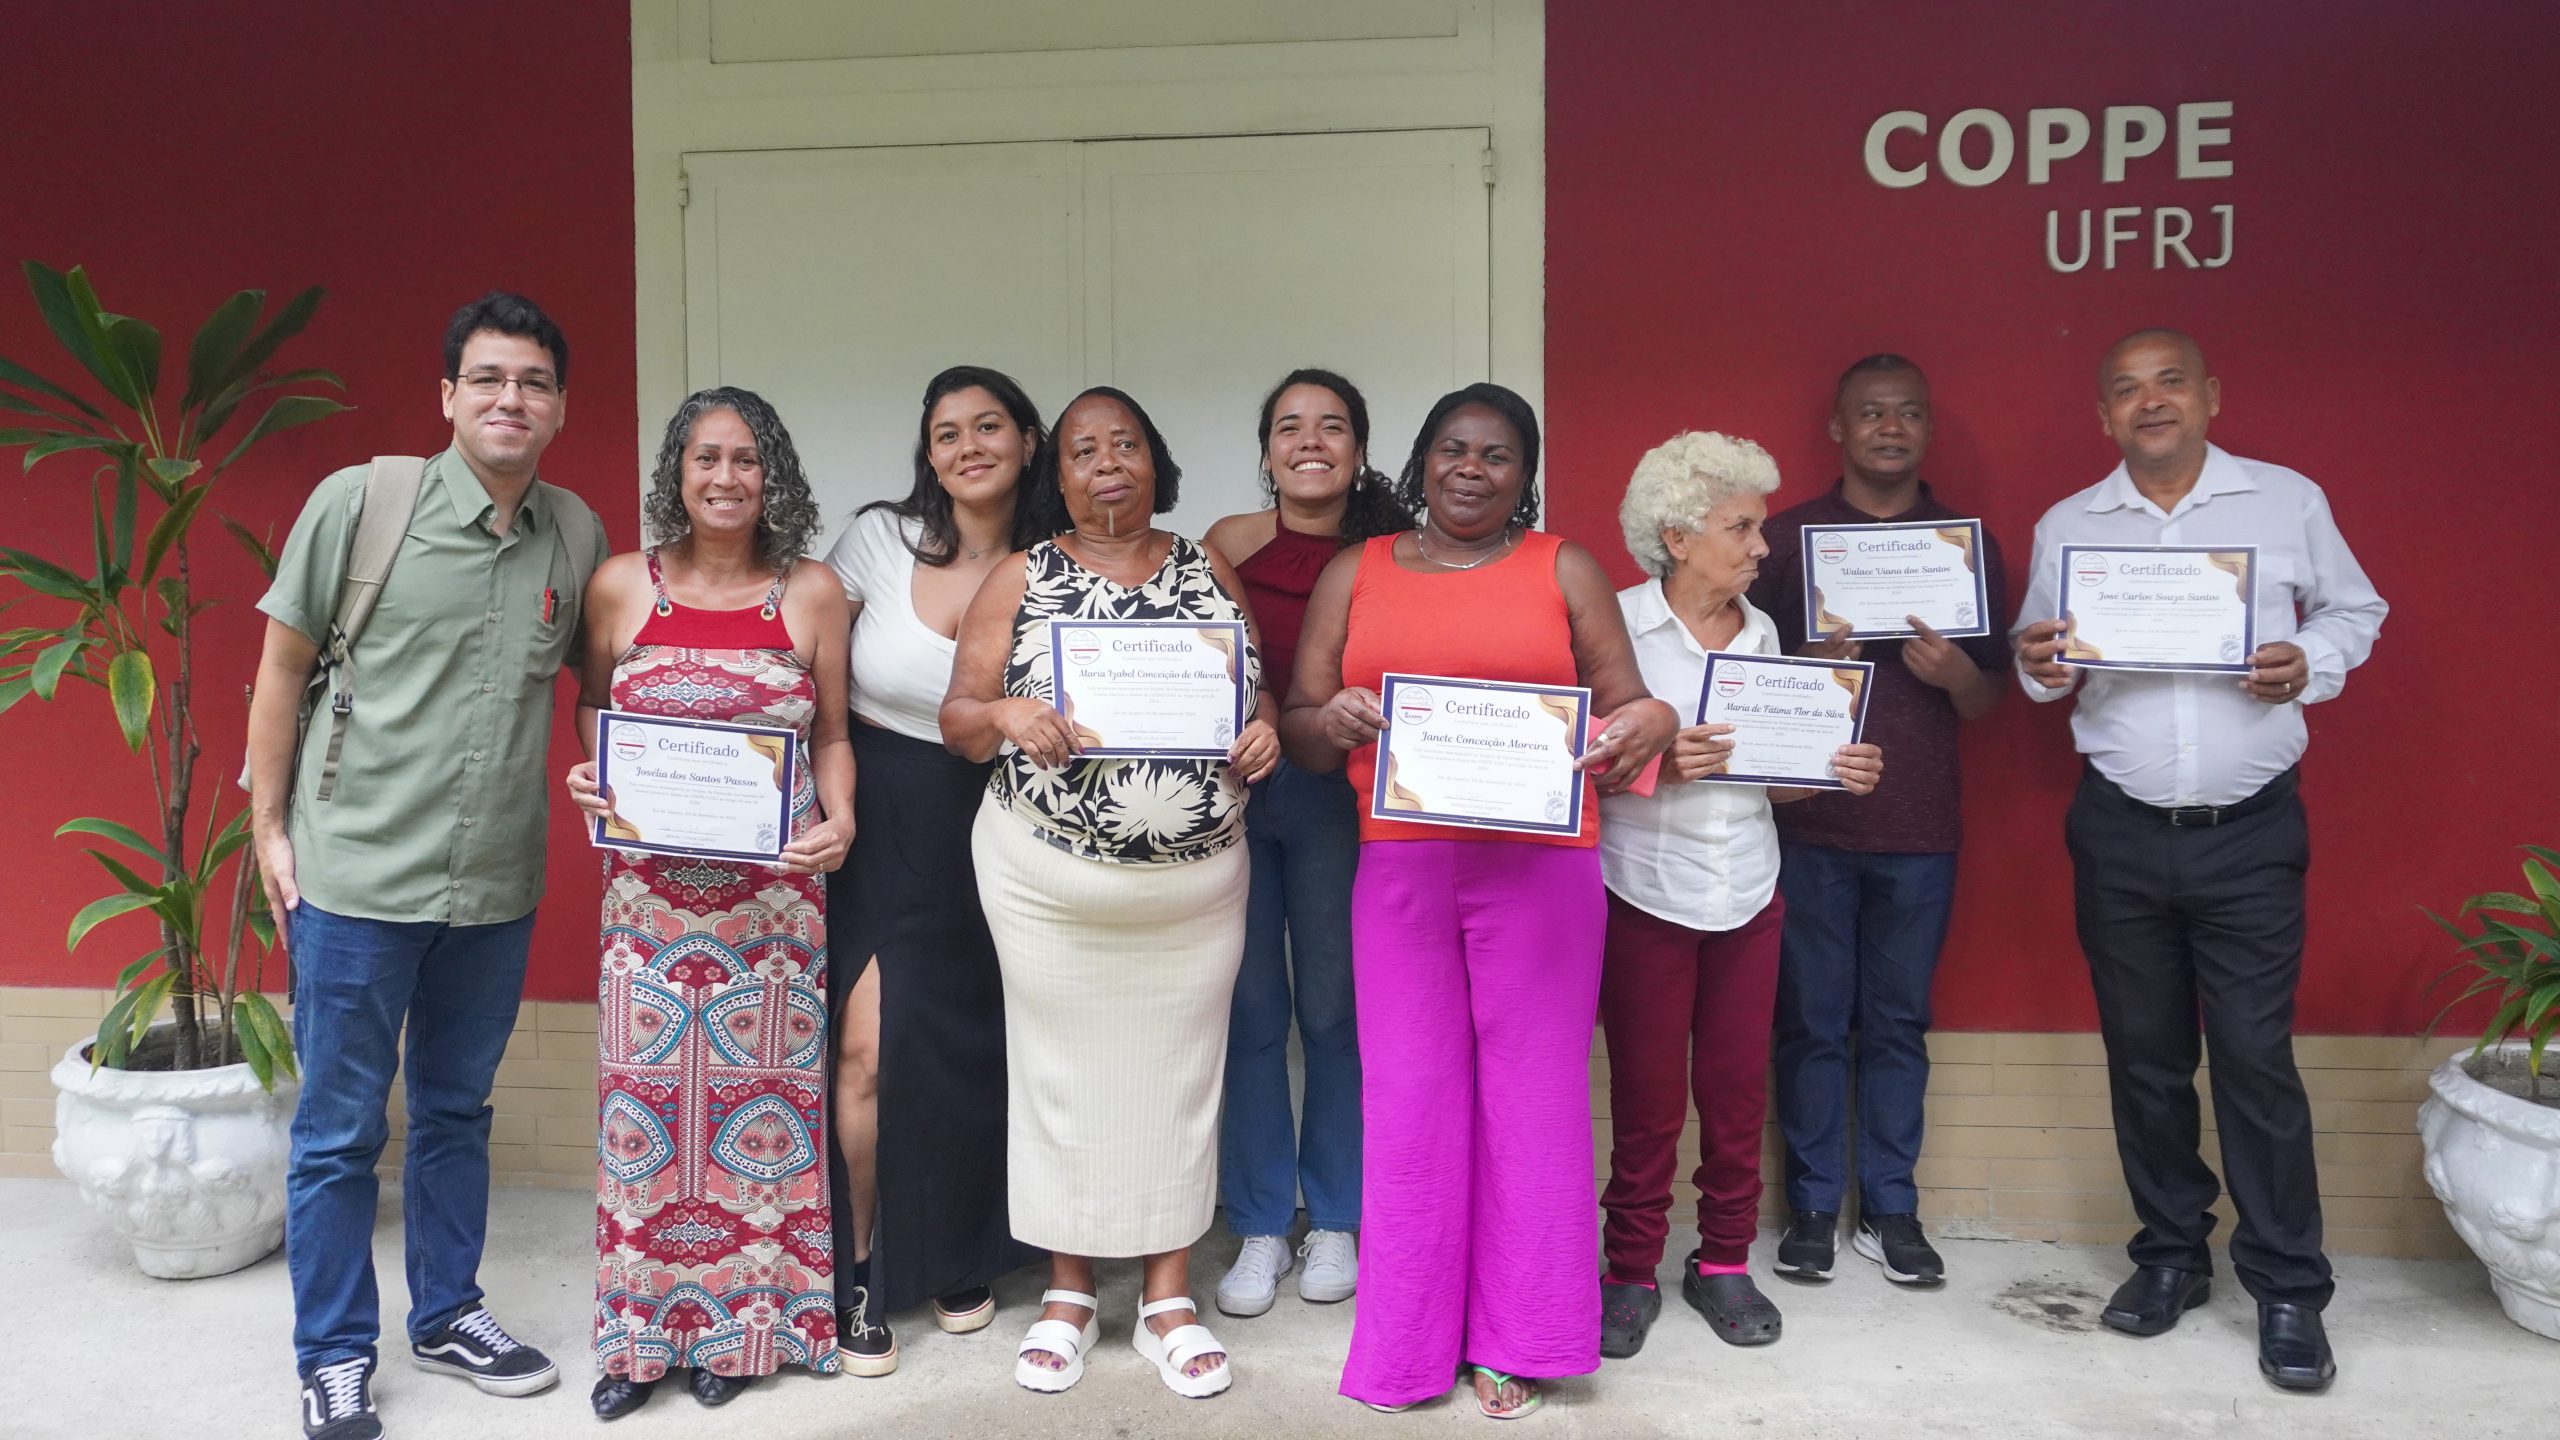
(1303, 832)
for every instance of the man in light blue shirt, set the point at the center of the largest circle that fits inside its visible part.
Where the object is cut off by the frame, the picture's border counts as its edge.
(2189, 846)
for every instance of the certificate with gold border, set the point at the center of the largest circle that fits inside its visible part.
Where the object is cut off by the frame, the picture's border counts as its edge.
(694, 787)
(1874, 578)
(1168, 689)
(1788, 715)
(2191, 608)
(1487, 754)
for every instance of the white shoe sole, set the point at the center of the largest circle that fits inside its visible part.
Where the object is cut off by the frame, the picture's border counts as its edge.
(1866, 1244)
(511, 1386)
(1802, 1272)
(1151, 1348)
(1247, 1309)
(966, 1322)
(870, 1367)
(1334, 1294)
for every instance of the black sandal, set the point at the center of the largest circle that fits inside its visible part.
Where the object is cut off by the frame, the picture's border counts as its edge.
(1734, 1307)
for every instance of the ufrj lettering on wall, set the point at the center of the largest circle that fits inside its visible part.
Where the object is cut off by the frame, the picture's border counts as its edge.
(1898, 157)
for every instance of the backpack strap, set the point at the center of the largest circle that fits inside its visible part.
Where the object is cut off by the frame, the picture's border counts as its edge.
(390, 500)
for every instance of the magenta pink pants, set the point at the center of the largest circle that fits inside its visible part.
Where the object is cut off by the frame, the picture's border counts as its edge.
(1477, 966)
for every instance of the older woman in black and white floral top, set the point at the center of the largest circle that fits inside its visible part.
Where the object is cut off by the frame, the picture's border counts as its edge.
(1115, 889)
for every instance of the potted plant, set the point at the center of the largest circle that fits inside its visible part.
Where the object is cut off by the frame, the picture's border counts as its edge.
(175, 1129)
(2492, 1126)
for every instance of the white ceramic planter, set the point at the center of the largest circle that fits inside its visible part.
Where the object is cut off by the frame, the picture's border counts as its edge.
(2494, 1161)
(187, 1165)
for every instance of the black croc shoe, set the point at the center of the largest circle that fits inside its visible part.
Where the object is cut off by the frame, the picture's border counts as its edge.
(1627, 1313)
(1734, 1307)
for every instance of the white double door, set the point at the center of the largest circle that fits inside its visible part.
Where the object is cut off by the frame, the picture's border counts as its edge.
(1190, 273)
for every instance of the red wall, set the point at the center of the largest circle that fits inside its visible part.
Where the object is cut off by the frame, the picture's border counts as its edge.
(1716, 253)
(406, 157)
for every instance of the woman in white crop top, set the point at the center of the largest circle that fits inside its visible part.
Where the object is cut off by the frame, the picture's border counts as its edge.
(919, 1086)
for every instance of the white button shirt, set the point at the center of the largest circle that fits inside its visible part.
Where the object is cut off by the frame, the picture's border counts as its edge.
(2175, 740)
(1702, 856)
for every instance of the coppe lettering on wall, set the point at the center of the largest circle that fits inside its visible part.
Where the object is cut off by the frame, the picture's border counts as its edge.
(1979, 147)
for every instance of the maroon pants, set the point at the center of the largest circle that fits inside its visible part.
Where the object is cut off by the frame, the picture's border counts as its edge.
(1675, 1000)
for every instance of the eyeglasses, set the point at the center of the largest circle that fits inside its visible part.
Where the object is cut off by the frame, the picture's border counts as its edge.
(537, 386)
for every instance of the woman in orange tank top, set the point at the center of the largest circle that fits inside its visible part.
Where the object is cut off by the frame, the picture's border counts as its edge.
(1475, 953)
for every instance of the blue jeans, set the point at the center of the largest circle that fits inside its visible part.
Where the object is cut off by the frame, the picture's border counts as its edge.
(1860, 949)
(354, 983)
(1303, 832)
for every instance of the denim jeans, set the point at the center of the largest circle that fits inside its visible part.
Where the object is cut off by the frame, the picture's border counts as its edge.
(1860, 950)
(1303, 832)
(355, 982)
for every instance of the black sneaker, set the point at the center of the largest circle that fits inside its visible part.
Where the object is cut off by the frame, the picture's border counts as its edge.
(1805, 1251)
(864, 1346)
(337, 1402)
(472, 1346)
(1627, 1313)
(1895, 1243)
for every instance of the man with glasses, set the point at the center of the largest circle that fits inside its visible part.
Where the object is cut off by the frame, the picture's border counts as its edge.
(401, 850)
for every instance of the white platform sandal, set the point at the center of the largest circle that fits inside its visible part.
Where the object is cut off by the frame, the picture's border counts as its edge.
(1057, 1337)
(1179, 1347)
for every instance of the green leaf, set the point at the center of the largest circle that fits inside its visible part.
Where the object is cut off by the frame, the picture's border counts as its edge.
(26, 379)
(47, 674)
(128, 503)
(2501, 901)
(124, 835)
(136, 347)
(24, 406)
(2533, 940)
(2545, 889)
(115, 1041)
(287, 323)
(124, 874)
(287, 412)
(107, 907)
(217, 344)
(253, 1049)
(71, 312)
(132, 686)
(258, 548)
(43, 576)
(223, 846)
(167, 475)
(255, 1009)
(140, 963)
(13, 690)
(147, 1002)
(171, 527)
(47, 448)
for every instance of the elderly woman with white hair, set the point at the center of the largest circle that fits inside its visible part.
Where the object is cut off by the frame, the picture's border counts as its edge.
(1689, 975)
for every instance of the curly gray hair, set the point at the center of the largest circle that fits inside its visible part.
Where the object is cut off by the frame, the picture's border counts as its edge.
(1679, 481)
(790, 514)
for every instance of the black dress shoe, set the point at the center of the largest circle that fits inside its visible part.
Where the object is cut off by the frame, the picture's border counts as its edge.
(618, 1395)
(2293, 1347)
(1734, 1307)
(717, 1390)
(2151, 1302)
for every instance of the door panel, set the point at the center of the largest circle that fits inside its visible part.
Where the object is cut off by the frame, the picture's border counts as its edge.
(1191, 273)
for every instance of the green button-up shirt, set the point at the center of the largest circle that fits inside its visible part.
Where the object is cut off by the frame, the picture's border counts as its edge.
(442, 795)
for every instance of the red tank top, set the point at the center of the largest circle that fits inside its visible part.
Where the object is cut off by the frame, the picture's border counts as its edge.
(1278, 578)
(1503, 621)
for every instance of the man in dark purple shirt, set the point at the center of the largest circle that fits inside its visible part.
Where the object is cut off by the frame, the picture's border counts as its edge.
(1869, 880)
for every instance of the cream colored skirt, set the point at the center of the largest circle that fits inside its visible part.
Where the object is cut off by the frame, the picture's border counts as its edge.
(1117, 980)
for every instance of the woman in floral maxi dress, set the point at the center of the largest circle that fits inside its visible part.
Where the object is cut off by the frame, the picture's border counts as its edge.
(712, 1230)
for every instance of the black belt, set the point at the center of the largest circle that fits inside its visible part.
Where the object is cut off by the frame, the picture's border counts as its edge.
(2274, 792)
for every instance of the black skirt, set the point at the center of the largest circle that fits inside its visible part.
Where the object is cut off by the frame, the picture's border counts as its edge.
(907, 898)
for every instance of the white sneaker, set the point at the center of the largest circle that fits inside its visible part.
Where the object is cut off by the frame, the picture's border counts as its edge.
(1333, 1266)
(1254, 1283)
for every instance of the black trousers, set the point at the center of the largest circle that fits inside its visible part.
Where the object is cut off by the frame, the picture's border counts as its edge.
(2186, 921)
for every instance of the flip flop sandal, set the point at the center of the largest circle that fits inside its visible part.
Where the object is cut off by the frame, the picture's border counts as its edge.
(1057, 1337)
(1180, 1346)
(1536, 1398)
(1734, 1307)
